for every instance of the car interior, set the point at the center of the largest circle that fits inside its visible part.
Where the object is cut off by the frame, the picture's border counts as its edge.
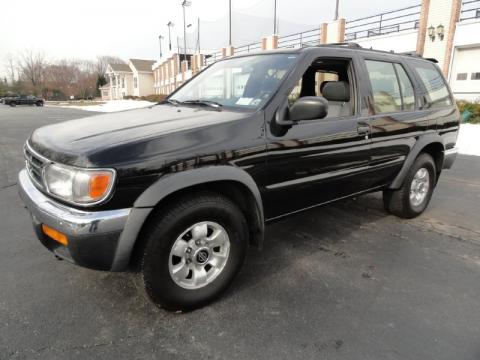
(329, 78)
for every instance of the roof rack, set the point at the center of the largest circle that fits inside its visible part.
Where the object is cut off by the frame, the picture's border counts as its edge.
(347, 44)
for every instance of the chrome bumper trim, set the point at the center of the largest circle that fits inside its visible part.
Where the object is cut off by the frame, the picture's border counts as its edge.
(449, 157)
(68, 220)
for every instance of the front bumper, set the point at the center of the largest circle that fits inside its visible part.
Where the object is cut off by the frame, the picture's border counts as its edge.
(449, 157)
(93, 237)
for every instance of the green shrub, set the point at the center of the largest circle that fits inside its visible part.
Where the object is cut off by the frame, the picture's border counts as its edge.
(472, 107)
(154, 97)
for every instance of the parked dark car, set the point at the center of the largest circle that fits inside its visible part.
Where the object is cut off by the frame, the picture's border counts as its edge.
(23, 100)
(182, 188)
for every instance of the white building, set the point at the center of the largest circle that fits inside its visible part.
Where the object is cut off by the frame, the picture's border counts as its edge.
(132, 79)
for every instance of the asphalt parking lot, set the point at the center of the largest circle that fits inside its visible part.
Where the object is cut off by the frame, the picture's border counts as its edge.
(344, 281)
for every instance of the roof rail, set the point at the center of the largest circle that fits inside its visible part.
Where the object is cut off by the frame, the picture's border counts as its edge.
(347, 43)
(410, 53)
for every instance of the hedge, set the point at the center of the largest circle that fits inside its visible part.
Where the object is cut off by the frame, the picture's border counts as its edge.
(470, 111)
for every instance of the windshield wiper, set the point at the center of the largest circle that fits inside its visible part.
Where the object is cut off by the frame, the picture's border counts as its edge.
(212, 104)
(169, 101)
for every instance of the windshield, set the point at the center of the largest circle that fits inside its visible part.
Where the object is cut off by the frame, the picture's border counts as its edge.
(245, 82)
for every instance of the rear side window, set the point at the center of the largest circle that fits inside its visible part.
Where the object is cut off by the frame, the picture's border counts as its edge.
(391, 87)
(437, 92)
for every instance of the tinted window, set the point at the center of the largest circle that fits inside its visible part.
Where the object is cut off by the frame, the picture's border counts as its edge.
(437, 92)
(385, 89)
(408, 96)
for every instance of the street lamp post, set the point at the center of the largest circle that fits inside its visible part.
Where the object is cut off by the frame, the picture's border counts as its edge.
(170, 25)
(336, 10)
(185, 3)
(275, 17)
(230, 22)
(160, 38)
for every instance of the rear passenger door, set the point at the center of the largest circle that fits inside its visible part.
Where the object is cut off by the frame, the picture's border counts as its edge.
(393, 113)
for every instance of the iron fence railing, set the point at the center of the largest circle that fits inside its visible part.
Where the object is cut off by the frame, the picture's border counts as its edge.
(470, 10)
(384, 23)
(301, 39)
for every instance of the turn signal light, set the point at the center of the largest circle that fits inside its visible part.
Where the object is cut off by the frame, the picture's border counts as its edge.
(55, 234)
(99, 185)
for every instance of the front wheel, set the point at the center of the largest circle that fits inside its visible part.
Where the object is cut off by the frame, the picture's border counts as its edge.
(39, 103)
(13, 104)
(193, 251)
(413, 197)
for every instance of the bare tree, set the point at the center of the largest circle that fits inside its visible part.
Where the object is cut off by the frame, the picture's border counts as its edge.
(10, 67)
(103, 61)
(32, 65)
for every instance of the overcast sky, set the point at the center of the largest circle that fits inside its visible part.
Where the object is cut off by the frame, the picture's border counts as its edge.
(130, 29)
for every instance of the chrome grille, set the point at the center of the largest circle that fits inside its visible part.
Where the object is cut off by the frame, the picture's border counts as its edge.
(34, 164)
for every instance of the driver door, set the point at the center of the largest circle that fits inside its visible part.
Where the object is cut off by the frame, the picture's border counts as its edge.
(320, 160)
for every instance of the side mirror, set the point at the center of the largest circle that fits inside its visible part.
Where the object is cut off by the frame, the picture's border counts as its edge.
(309, 108)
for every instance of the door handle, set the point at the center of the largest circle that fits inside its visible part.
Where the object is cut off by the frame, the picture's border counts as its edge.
(363, 129)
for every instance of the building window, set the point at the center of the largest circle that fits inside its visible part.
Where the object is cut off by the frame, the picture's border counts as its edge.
(475, 76)
(123, 82)
(462, 76)
(135, 84)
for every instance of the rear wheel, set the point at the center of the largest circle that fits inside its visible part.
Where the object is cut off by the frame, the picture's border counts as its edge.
(413, 197)
(193, 251)
(39, 103)
(13, 104)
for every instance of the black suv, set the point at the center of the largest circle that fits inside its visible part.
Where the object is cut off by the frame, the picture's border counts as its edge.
(182, 188)
(23, 100)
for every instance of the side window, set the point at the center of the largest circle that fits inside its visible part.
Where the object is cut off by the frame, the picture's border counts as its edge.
(391, 87)
(437, 92)
(327, 77)
(385, 89)
(408, 95)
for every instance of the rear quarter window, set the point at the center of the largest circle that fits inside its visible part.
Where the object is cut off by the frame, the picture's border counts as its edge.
(437, 94)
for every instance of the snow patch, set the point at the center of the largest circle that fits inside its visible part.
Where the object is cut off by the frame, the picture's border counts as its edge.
(110, 106)
(468, 141)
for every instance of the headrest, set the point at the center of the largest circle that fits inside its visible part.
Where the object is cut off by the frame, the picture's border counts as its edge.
(322, 85)
(336, 91)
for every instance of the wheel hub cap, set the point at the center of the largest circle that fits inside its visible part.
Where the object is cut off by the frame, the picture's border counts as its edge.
(199, 255)
(419, 187)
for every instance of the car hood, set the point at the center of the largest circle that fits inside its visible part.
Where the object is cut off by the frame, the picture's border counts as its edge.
(74, 141)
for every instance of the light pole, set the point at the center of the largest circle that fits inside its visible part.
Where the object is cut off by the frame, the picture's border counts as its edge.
(230, 22)
(275, 17)
(170, 25)
(185, 3)
(160, 38)
(198, 34)
(336, 10)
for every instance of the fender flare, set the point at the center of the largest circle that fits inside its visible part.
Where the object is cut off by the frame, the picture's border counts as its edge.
(173, 182)
(420, 144)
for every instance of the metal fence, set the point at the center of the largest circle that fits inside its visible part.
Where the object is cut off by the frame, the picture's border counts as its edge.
(470, 10)
(301, 39)
(379, 24)
(384, 23)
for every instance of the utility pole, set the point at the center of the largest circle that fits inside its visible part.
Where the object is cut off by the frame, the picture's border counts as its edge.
(198, 34)
(160, 37)
(336, 10)
(230, 22)
(185, 3)
(275, 17)
(170, 25)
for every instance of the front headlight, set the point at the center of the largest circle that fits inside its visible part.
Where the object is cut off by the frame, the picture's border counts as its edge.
(79, 186)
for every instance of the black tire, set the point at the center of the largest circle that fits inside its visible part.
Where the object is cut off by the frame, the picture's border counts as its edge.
(39, 103)
(163, 231)
(13, 104)
(398, 201)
